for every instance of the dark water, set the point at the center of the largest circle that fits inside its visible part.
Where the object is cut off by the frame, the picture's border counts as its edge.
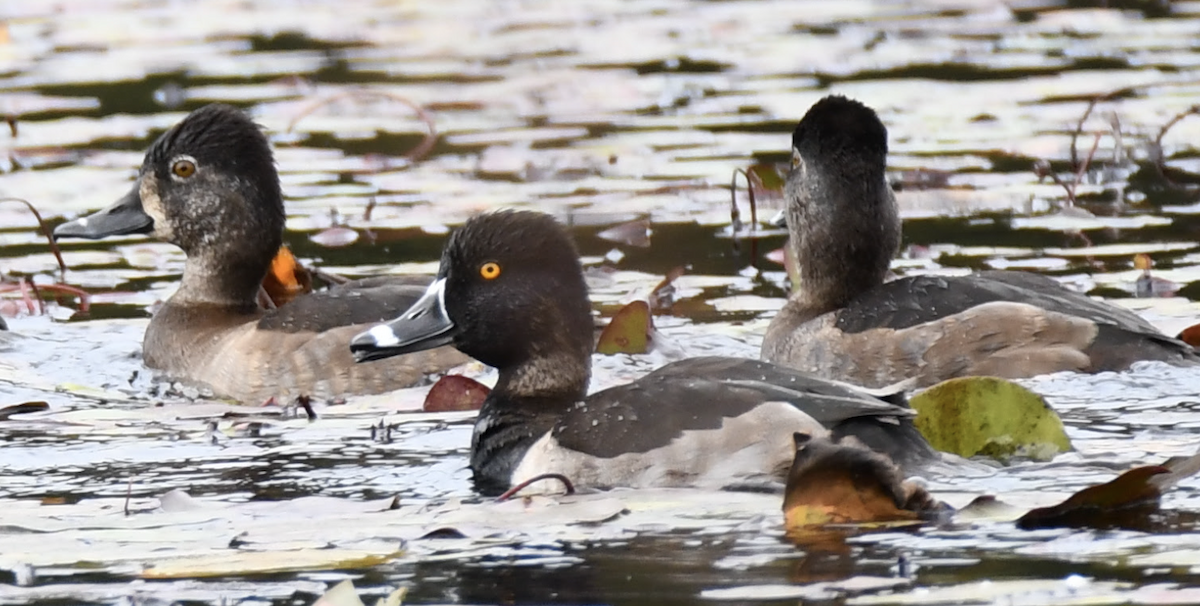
(599, 113)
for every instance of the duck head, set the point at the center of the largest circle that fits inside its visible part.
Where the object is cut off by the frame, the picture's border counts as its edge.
(509, 292)
(207, 185)
(844, 222)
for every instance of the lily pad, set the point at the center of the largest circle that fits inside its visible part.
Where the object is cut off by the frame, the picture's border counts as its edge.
(628, 332)
(1190, 335)
(989, 416)
(455, 392)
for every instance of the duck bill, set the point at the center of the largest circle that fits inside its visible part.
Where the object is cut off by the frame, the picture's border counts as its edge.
(424, 326)
(124, 217)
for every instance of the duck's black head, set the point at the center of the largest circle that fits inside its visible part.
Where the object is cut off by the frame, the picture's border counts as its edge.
(510, 293)
(208, 185)
(843, 130)
(842, 214)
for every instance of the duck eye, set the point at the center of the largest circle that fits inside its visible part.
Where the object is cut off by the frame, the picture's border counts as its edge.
(490, 271)
(184, 168)
(795, 158)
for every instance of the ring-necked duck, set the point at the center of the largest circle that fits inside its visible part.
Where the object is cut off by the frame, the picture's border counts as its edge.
(510, 293)
(209, 186)
(846, 323)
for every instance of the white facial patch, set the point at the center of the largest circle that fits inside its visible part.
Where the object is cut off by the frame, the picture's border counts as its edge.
(384, 336)
(436, 290)
(152, 206)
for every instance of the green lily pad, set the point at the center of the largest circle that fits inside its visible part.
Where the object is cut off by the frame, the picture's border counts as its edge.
(989, 416)
(628, 332)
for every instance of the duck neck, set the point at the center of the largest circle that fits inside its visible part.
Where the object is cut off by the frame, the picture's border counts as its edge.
(229, 284)
(547, 378)
(529, 398)
(845, 232)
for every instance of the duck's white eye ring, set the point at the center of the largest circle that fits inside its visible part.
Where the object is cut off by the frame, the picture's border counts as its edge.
(183, 168)
(796, 161)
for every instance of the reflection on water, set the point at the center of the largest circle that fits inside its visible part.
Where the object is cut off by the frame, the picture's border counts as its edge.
(599, 113)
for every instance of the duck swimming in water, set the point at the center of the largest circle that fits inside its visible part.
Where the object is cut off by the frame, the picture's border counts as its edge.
(209, 186)
(846, 323)
(510, 293)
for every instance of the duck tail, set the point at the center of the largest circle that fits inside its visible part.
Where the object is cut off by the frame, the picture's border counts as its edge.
(895, 437)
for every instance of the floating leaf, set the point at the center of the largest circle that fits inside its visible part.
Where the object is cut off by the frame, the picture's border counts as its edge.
(344, 594)
(989, 416)
(22, 408)
(335, 237)
(1190, 335)
(235, 562)
(286, 279)
(628, 332)
(455, 392)
(633, 233)
(1132, 496)
(839, 483)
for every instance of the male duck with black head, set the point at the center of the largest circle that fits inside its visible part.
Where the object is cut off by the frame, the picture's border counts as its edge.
(846, 323)
(209, 186)
(510, 293)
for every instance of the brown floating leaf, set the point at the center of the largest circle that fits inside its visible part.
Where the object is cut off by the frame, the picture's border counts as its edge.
(1130, 497)
(844, 483)
(633, 233)
(286, 279)
(22, 408)
(628, 332)
(1126, 501)
(455, 392)
(1190, 335)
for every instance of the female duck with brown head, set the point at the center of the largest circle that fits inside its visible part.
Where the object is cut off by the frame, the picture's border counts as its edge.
(510, 293)
(209, 186)
(845, 322)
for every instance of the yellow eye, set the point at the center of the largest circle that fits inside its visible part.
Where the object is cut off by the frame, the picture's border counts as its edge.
(490, 271)
(795, 158)
(184, 168)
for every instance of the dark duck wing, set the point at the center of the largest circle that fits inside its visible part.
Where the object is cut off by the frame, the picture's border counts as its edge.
(705, 394)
